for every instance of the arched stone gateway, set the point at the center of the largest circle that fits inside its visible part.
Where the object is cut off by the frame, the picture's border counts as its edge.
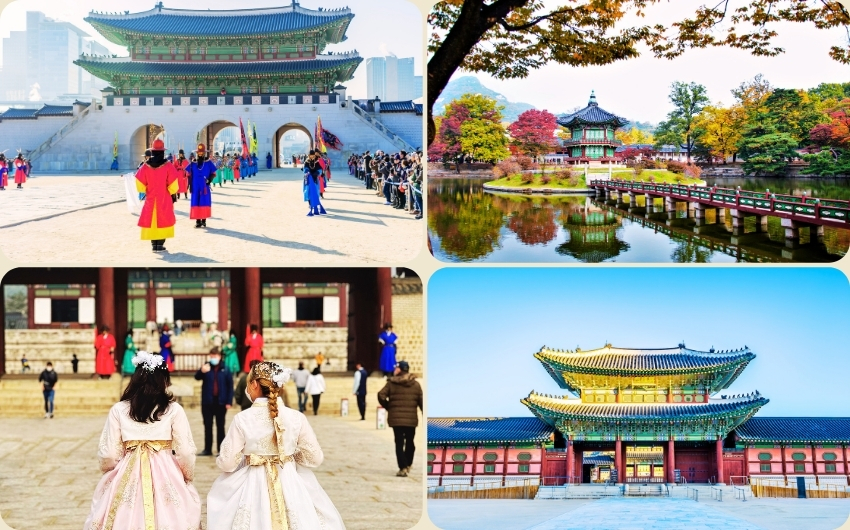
(141, 139)
(278, 140)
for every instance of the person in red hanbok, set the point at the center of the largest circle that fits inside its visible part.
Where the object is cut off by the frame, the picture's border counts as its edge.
(4, 172)
(157, 179)
(20, 171)
(236, 168)
(182, 179)
(104, 353)
(254, 342)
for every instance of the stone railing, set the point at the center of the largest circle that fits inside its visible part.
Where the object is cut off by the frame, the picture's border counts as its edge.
(61, 133)
(381, 129)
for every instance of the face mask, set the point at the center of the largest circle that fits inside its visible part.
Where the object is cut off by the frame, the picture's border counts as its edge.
(213, 362)
(248, 396)
(49, 368)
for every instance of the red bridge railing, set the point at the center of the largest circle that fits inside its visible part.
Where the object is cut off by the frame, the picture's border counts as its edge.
(830, 210)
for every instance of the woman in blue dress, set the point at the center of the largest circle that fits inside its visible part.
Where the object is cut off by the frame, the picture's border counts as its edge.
(312, 174)
(388, 347)
(165, 348)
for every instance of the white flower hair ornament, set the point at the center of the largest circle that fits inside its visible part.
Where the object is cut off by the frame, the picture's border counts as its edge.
(149, 361)
(281, 376)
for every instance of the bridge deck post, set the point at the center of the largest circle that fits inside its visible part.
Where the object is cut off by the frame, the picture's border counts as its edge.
(738, 218)
(761, 223)
(632, 199)
(670, 207)
(792, 229)
(649, 202)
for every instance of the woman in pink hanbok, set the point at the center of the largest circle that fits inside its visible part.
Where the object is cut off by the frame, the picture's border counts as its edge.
(147, 455)
(265, 457)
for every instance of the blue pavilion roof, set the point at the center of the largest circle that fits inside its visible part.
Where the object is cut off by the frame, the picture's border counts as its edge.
(124, 66)
(219, 23)
(778, 430)
(592, 114)
(550, 407)
(32, 114)
(487, 430)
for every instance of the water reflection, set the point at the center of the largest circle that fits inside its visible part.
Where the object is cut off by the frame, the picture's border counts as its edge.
(468, 224)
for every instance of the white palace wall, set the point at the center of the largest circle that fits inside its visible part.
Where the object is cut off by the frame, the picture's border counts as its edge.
(88, 146)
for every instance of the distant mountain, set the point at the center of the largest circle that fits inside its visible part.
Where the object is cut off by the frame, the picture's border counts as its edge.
(471, 85)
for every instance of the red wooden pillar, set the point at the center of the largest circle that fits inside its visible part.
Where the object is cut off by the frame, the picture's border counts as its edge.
(814, 464)
(105, 303)
(505, 467)
(747, 460)
(253, 292)
(223, 306)
(570, 460)
(442, 466)
(784, 470)
(618, 461)
(846, 464)
(671, 461)
(474, 464)
(150, 301)
(385, 295)
(122, 320)
(30, 307)
(719, 453)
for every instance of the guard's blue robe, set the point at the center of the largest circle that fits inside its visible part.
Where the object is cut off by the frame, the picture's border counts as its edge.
(199, 178)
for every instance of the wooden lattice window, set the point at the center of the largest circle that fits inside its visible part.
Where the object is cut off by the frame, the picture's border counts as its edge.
(457, 468)
(765, 456)
(459, 457)
(490, 457)
(430, 469)
(829, 456)
(524, 468)
(764, 468)
(798, 456)
(431, 457)
(799, 468)
(523, 457)
(491, 468)
(830, 468)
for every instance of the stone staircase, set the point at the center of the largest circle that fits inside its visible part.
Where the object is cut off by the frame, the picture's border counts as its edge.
(381, 129)
(58, 135)
(646, 490)
(579, 491)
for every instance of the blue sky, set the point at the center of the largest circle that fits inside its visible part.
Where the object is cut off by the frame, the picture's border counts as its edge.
(485, 324)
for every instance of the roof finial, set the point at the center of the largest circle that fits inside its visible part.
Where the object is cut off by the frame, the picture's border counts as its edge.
(592, 98)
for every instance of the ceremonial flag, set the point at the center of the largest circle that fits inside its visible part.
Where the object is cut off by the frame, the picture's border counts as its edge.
(254, 140)
(244, 140)
(115, 146)
(331, 140)
(320, 142)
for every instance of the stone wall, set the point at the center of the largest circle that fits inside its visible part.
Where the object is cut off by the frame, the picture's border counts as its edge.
(405, 124)
(54, 345)
(289, 346)
(29, 134)
(89, 145)
(407, 322)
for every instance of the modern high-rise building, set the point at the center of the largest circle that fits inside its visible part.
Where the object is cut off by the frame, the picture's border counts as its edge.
(38, 64)
(391, 79)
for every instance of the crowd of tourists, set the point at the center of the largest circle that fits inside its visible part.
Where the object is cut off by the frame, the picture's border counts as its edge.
(17, 169)
(397, 177)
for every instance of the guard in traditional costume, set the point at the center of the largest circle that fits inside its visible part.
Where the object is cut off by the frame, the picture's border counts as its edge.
(182, 179)
(312, 178)
(237, 168)
(4, 172)
(201, 174)
(157, 179)
(20, 171)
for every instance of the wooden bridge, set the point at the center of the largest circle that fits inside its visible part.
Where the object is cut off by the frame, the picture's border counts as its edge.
(794, 211)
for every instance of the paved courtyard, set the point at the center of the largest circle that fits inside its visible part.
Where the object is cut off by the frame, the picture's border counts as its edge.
(48, 472)
(84, 219)
(675, 513)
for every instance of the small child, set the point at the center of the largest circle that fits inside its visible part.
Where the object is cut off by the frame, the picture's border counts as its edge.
(25, 364)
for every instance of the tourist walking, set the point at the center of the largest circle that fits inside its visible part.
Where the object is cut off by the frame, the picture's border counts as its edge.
(388, 349)
(201, 175)
(266, 482)
(268, 160)
(75, 363)
(254, 342)
(4, 172)
(48, 379)
(104, 353)
(359, 389)
(127, 366)
(165, 347)
(402, 396)
(231, 356)
(20, 171)
(147, 456)
(182, 178)
(216, 399)
(157, 179)
(316, 387)
(300, 377)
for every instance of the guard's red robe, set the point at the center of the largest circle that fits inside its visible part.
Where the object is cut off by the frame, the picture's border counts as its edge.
(157, 219)
(182, 178)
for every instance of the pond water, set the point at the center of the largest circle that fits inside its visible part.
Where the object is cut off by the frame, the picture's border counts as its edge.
(468, 224)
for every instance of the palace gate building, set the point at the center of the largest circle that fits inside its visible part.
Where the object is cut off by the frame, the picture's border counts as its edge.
(50, 314)
(191, 73)
(639, 416)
